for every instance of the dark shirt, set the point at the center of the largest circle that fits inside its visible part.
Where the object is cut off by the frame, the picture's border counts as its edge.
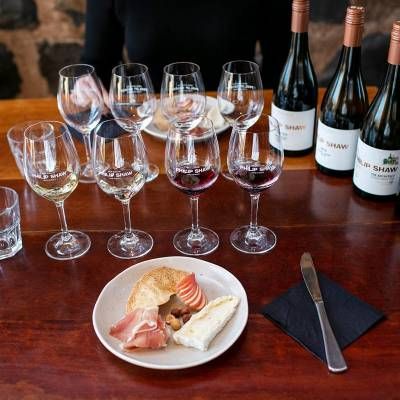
(207, 32)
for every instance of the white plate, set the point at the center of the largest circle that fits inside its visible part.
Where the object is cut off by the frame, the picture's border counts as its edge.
(152, 130)
(214, 280)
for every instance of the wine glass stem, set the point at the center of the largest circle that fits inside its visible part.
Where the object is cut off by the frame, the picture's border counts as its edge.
(254, 198)
(88, 146)
(129, 235)
(66, 236)
(195, 234)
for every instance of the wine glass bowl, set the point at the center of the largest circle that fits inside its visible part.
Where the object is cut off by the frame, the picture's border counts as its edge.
(255, 160)
(132, 99)
(120, 168)
(193, 166)
(240, 93)
(52, 168)
(182, 96)
(80, 102)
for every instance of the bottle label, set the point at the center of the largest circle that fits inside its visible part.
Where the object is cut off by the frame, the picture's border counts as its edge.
(297, 128)
(336, 148)
(376, 171)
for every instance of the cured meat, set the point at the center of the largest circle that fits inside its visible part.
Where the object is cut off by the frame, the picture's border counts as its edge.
(143, 328)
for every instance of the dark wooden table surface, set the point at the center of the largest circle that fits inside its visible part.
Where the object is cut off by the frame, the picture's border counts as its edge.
(48, 348)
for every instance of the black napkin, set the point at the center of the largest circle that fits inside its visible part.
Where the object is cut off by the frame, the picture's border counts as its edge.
(295, 313)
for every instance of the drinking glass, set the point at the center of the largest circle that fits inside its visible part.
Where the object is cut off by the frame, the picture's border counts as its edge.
(132, 97)
(15, 137)
(51, 166)
(182, 97)
(255, 159)
(193, 165)
(240, 92)
(80, 103)
(10, 231)
(120, 165)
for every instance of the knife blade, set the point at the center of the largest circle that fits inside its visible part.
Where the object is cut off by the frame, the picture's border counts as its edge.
(334, 357)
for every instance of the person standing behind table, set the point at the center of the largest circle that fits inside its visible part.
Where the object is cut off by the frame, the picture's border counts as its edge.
(208, 32)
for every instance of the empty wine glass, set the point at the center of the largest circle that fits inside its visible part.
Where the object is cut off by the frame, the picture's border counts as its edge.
(51, 166)
(182, 97)
(80, 102)
(193, 165)
(240, 92)
(120, 164)
(255, 159)
(132, 97)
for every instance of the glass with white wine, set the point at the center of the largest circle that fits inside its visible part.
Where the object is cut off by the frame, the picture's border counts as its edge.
(120, 168)
(52, 168)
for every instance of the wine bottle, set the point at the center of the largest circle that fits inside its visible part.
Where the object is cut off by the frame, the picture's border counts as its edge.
(295, 100)
(376, 170)
(344, 105)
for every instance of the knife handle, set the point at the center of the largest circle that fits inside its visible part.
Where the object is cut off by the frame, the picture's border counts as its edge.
(334, 357)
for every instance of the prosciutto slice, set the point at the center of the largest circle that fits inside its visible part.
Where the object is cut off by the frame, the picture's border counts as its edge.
(143, 328)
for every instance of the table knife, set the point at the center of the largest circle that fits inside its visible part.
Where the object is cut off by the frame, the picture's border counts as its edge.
(334, 357)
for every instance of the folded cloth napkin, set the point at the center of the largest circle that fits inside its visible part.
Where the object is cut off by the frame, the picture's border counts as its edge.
(295, 313)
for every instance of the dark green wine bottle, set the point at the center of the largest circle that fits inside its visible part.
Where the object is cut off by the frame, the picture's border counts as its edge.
(344, 105)
(295, 99)
(376, 171)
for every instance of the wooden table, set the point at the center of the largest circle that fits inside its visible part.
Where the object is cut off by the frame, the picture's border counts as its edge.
(48, 346)
(14, 111)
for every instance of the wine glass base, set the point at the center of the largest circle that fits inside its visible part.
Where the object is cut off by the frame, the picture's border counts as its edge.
(86, 175)
(152, 172)
(122, 247)
(265, 242)
(227, 175)
(206, 245)
(77, 245)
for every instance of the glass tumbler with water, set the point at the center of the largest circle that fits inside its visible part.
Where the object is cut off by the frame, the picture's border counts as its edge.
(10, 231)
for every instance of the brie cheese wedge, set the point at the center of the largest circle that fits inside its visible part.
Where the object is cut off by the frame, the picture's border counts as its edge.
(202, 327)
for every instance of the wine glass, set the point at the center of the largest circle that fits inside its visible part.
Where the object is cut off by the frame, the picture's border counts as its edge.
(120, 164)
(193, 165)
(51, 166)
(132, 97)
(255, 159)
(182, 97)
(240, 92)
(80, 103)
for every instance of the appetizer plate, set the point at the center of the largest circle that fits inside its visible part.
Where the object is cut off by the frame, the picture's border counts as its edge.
(214, 280)
(152, 130)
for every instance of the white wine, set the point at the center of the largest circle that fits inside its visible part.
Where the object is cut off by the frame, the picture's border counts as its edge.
(55, 186)
(376, 171)
(121, 183)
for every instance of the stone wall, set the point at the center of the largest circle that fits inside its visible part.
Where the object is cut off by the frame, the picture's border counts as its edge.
(37, 37)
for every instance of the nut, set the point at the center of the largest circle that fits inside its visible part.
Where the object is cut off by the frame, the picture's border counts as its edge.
(176, 312)
(186, 317)
(185, 310)
(173, 322)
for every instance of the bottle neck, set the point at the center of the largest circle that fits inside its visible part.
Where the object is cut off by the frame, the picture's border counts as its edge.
(392, 79)
(350, 60)
(299, 43)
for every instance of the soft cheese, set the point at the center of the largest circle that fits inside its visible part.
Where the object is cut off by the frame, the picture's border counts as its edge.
(202, 328)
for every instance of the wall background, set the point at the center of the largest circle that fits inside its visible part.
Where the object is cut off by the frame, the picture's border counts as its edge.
(38, 37)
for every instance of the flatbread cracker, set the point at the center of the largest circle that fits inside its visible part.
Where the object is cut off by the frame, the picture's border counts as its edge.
(155, 288)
